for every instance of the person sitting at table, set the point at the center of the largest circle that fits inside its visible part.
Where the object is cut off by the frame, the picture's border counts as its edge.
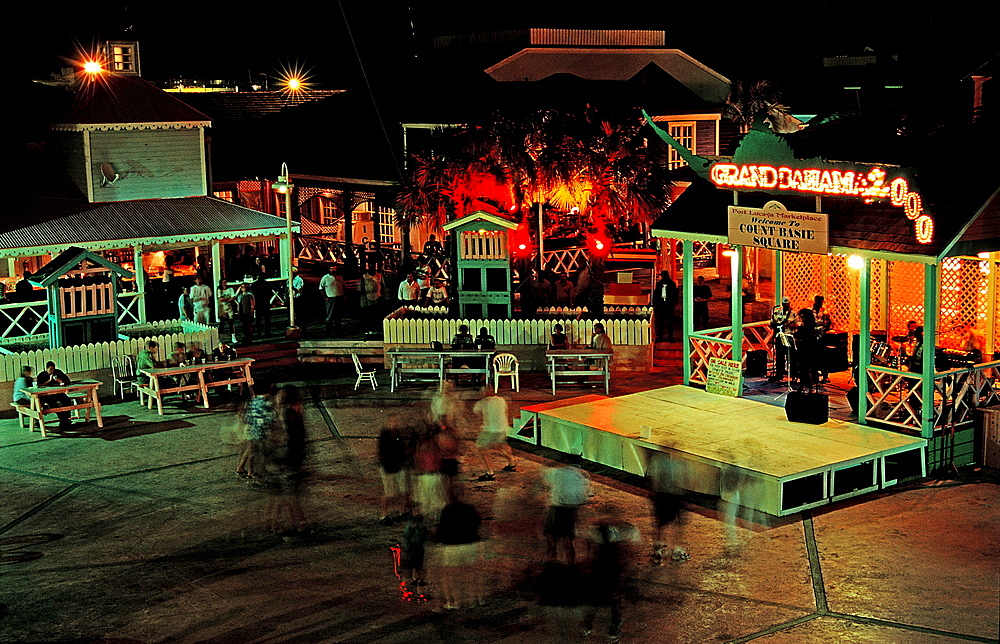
(463, 341)
(179, 358)
(485, 341)
(195, 355)
(558, 339)
(600, 339)
(147, 359)
(53, 377)
(26, 380)
(224, 351)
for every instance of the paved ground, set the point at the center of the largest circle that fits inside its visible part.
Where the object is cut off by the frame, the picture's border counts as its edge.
(140, 532)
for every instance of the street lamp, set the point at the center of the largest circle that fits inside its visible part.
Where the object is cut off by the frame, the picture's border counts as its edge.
(284, 186)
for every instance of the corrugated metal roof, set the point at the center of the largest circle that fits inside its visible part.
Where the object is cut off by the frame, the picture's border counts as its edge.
(149, 221)
(702, 210)
(110, 98)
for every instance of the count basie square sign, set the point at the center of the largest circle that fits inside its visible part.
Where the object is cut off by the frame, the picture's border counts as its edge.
(776, 228)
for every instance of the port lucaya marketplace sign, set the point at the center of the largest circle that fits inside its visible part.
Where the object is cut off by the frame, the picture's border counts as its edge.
(775, 228)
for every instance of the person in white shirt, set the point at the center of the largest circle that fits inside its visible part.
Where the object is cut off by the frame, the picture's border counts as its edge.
(227, 307)
(409, 290)
(297, 285)
(201, 300)
(332, 287)
(438, 295)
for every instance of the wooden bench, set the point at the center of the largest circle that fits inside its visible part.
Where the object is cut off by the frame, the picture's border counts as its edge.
(24, 411)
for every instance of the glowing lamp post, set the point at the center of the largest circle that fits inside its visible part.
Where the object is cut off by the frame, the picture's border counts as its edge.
(284, 186)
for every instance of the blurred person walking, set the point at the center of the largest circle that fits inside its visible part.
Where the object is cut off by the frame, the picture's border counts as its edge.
(569, 488)
(429, 494)
(285, 456)
(392, 448)
(493, 433)
(458, 535)
(612, 540)
(664, 475)
(257, 416)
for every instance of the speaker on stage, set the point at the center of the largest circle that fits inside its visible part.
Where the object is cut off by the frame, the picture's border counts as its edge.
(756, 364)
(804, 407)
(834, 352)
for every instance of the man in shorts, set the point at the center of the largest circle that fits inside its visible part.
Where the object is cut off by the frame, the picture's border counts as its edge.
(493, 435)
(569, 488)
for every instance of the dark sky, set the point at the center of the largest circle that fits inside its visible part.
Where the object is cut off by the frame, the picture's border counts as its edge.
(232, 40)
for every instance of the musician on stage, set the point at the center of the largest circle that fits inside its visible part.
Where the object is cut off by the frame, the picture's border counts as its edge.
(973, 342)
(806, 336)
(782, 321)
(907, 343)
(823, 325)
(917, 359)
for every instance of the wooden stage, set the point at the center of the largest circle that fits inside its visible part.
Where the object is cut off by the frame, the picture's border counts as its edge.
(785, 467)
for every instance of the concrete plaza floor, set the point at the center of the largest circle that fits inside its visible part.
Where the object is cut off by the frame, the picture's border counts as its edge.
(140, 532)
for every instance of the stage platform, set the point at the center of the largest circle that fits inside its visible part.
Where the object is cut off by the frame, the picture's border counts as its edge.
(785, 467)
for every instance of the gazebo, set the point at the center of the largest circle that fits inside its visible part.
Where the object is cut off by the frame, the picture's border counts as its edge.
(883, 244)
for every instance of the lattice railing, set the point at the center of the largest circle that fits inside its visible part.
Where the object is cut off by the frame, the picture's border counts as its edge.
(566, 260)
(714, 343)
(842, 294)
(128, 308)
(896, 397)
(803, 278)
(758, 335)
(24, 319)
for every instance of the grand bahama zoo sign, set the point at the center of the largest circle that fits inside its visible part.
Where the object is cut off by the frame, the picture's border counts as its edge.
(775, 228)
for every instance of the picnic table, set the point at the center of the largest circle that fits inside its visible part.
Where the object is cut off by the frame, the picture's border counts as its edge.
(434, 365)
(577, 363)
(88, 400)
(237, 372)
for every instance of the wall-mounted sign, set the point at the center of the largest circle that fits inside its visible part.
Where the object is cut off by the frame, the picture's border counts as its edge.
(873, 185)
(725, 377)
(778, 229)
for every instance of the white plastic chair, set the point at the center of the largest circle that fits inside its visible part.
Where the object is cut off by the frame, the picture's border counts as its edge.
(506, 364)
(123, 373)
(363, 374)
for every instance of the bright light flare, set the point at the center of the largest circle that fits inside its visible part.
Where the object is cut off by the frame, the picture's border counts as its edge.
(92, 67)
(856, 262)
(294, 79)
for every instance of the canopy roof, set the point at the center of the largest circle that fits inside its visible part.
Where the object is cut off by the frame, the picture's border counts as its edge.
(52, 225)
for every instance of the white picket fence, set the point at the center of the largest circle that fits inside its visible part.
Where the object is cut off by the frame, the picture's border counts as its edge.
(92, 357)
(401, 330)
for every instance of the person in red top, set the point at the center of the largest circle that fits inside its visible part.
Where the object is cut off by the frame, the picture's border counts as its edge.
(429, 482)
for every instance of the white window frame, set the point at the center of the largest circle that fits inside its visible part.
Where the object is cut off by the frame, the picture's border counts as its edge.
(688, 141)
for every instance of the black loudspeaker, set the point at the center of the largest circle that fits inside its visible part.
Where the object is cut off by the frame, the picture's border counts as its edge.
(803, 407)
(834, 352)
(756, 364)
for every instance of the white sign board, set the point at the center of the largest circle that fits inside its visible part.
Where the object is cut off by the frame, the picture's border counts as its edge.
(778, 229)
(725, 377)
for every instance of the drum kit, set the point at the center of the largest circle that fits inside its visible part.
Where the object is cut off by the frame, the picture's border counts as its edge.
(884, 354)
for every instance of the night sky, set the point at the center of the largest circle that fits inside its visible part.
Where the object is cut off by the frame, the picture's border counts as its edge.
(233, 41)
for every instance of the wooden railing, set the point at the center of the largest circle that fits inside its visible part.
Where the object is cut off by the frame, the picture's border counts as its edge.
(896, 397)
(93, 357)
(24, 319)
(717, 343)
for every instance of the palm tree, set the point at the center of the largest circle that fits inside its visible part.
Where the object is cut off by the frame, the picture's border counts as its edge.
(588, 159)
(747, 99)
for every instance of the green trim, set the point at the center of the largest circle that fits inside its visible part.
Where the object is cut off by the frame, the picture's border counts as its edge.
(864, 342)
(687, 306)
(684, 236)
(965, 228)
(930, 332)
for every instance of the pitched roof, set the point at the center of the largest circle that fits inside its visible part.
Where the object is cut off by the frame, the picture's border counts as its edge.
(123, 223)
(67, 260)
(113, 99)
(246, 107)
(537, 63)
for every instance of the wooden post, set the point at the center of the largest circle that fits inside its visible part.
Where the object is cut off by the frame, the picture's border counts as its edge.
(930, 333)
(217, 260)
(687, 307)
(140, 281)
(736, 306)
(864, 341)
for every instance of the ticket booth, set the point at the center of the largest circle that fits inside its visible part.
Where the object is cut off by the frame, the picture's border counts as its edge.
(482, 280)
(82, 292)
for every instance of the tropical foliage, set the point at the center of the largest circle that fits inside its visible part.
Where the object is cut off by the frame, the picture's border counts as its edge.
(596, 161)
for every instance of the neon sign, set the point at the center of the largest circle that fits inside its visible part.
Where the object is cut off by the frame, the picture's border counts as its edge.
(870, 186)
